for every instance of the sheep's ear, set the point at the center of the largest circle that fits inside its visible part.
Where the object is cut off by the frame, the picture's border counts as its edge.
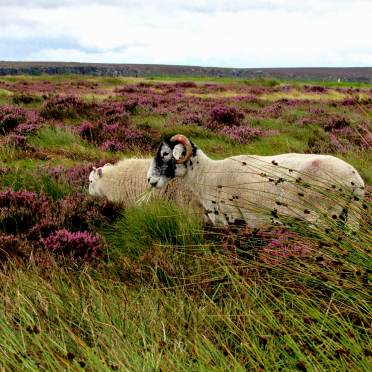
(178, 151)
(94, 169)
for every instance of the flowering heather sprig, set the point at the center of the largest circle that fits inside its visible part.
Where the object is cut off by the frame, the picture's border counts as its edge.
(77, 245)
(284, 245)
(89, 131)
(241, 134)
(111, 127)
(10, 117)
(226, 115)
(26, 128)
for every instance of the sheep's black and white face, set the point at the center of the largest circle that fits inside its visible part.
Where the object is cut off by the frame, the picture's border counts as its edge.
(164, 166)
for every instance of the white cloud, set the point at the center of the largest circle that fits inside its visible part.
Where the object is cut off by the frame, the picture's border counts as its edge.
(265, 33)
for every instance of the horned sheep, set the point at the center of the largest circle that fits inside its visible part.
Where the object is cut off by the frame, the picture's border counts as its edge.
(261, 190)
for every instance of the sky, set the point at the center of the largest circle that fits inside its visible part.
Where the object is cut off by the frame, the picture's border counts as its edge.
(225, 33)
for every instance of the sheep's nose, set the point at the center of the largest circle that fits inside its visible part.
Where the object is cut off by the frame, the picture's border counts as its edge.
(153, 183)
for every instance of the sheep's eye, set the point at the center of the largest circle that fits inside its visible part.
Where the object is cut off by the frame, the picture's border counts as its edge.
(165, 153)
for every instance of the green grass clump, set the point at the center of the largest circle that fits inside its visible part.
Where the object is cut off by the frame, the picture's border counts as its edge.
(5, 96)
(51, 136)
(158, 222)
(264, 82)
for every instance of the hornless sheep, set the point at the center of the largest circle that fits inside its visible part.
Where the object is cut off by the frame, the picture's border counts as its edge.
(125, 182)
(261, 190)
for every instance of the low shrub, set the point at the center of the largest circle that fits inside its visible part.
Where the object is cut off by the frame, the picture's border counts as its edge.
(80, 245)
(242, 134)
(225, 115)
(10, 117)
(20, 210)
(64, 107)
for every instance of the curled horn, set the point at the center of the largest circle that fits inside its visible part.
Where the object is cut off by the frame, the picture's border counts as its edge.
(184, 140)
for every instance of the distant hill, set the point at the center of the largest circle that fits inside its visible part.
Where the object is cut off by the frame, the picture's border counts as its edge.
(350, 74)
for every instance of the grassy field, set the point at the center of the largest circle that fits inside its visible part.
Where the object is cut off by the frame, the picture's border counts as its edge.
(88, 285)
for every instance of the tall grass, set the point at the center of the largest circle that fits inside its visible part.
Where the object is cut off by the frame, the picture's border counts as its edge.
(159, 222)
(224, 313)
(173, 299)
(51, 136)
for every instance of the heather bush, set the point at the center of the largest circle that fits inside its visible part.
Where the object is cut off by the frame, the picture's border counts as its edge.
(10, 117)
(241, 134)
(193, 118)
(318, 143)
(20, 210)
(112, 146)
(186, 84)
(12, 247)
(314, 89)
(229, 116)
(26, 128)
(77, 245)
(40, 231)
(338, 144)
(127, 89)
(64, 107)
(335, 123)
(274, 110)
(28, 219)
(116, 136)
(75, 177)
(90, 131)
(85, 213)
(113, 113)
